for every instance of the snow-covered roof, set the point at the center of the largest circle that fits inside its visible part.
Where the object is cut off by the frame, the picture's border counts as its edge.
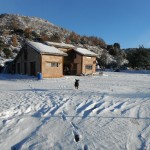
(63, 45)
(45, 49)
(85, 52)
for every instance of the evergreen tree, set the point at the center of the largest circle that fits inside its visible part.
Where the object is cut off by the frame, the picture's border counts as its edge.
(118, 54)
(139, 58)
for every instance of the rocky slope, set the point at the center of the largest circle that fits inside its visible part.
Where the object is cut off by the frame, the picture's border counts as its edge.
(16, 28)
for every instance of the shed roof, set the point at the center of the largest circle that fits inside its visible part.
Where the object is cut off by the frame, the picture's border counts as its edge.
(45, 49)
(85, 52)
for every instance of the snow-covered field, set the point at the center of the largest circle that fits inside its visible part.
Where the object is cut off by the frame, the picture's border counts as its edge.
(107, 112)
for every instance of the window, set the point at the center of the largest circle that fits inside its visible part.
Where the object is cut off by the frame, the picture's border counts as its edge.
(52, 64)
(88, 67)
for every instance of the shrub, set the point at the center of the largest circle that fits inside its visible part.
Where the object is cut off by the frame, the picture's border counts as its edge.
(55, 38)
(14, 41)
(7, 52)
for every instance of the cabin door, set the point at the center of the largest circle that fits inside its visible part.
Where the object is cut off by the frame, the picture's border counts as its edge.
(74, 69)
(25, 68)
(32, 68)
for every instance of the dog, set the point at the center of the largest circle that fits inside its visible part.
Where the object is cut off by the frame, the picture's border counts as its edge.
(76, 84)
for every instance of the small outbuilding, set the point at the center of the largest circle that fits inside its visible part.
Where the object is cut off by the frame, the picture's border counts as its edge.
(80, 61)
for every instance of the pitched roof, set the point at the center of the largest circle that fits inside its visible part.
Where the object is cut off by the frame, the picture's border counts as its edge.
(62, 45)
(45, 49)
(85, 52)
(82, 51)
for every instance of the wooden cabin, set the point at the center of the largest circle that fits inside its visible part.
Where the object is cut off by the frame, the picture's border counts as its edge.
(53, 60)
(80, 61)
(36, 58)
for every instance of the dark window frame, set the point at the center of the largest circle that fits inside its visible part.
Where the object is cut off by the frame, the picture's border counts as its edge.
(88, 67)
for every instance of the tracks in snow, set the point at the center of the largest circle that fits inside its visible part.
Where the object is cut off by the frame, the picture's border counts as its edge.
(45, 103)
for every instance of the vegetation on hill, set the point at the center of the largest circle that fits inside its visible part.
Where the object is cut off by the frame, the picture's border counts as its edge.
(139, 58)
(15, 29)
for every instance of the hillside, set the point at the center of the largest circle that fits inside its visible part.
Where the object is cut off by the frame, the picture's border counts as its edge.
(16, 28)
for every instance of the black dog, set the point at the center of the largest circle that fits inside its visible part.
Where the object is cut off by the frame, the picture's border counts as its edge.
(76, 84)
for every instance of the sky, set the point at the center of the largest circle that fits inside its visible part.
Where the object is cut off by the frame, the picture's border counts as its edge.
(126, 22)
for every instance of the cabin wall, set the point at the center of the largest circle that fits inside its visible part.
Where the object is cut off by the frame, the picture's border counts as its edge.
(78, 61)
(88, 65)
(28, 62)
(52, 66)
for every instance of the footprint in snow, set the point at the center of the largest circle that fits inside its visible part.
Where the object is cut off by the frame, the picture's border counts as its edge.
(63, 117)
(74, 126)
(4, 121)
(134, 121)
(85, 147)
(83, 107)
(76, 136)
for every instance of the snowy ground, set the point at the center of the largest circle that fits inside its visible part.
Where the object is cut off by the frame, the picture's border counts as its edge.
(109, 112)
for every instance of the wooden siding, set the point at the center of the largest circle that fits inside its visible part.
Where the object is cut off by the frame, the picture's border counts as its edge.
(49, 71)
(78, 61)
(23, 61)
(89, 61)
(30, 62)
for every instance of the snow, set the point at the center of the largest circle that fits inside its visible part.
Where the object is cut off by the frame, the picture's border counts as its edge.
(3, 61)
(111, 111)
(42, 48)
(59, 44)
(84, 51)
